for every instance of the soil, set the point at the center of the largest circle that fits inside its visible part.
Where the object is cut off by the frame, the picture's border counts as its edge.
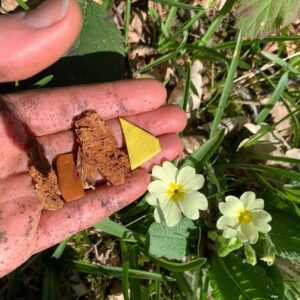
(99, 148)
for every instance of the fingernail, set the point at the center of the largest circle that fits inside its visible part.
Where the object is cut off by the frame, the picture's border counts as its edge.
(46, 14)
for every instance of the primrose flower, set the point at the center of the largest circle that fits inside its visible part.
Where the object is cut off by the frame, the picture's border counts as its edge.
(243, 218)
(175, 192)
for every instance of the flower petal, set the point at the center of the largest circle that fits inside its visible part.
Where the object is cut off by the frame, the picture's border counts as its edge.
(151, 198)
(261, 216)
(158, 186)
(191, 203)
(231, 206)
(229, 233)
(225, 222)
(250, 202)
(249, 232)
(171, 213)
(167, 173)
(260, 220)
(189, 179)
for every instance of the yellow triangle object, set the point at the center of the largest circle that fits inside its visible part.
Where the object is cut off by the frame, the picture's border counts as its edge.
(141, 145)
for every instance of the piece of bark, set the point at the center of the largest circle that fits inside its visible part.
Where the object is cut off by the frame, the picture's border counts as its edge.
(99, 148)
(46, 188)
(44, 177)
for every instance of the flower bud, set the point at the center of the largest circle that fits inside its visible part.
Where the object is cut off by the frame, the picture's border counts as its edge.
(250, 254)
(269, 251)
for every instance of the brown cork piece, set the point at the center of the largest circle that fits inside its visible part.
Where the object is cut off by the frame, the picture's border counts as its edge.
(99, 148)
(44, 177)
(46, 188)
(70, 184)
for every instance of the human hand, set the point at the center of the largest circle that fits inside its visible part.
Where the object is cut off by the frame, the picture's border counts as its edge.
(28, 44)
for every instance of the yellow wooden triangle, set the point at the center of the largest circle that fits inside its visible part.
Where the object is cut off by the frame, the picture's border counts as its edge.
(141, 145)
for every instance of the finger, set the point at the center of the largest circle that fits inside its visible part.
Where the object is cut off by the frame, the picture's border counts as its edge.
(96, 206)
(19, 221)
(29, 42)
(47, 111)
(171, 146)
(63, 142)
(165, 119)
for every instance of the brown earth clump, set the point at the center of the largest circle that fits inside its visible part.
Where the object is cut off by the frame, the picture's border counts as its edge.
(99, 148)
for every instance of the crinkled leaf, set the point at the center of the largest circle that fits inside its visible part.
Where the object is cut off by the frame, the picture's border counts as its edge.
(285, 234)
(170, 242)
(259, 18)
(97, 33)
(232, 279)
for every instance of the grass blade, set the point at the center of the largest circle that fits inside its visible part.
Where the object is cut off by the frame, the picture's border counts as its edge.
(183, 285)
(261, 168)
(135, 285)
(166, 56)
(179, 267)
(227, 85)
(280, 62)
(186, 91)
(114, 271)
(179, 4)
(50, 284)
(125, 262)
(126, 25)
(270, 39)
(274, 98)
(118, 230)
(60, 249)
(216, 23)
(23, 5)
(198, 158)
(267, 157)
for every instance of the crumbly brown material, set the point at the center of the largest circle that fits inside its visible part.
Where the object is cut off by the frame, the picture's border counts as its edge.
(46, 188)
(99, 148)
(44, 177)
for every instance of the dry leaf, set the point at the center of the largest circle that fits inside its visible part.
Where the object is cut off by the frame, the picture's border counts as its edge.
(194, 102)
(137, 23)
(228, 124)
(9, 5)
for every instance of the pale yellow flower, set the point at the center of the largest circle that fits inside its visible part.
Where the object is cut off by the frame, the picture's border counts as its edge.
(243, 218)
(176, 192)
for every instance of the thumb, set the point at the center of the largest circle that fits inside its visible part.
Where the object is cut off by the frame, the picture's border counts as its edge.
(31, 41)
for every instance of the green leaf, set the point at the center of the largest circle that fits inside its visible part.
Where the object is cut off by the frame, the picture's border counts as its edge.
(114, 271)
(184, 286)
(233, 280)
(274, 98)
(225, 246)
(117, 230)
(259, 18)
(50, 283)
(228, 84)
(285, 234)
(179, 267)
(179, 4)
(170, 242)
(97, 34)
(60, 248)
(280, 62)
(199, 157)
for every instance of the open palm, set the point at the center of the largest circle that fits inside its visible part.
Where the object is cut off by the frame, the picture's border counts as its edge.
(47, 114)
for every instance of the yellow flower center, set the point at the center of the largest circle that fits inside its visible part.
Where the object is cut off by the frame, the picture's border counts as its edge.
(244, 216)
(175, 191)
